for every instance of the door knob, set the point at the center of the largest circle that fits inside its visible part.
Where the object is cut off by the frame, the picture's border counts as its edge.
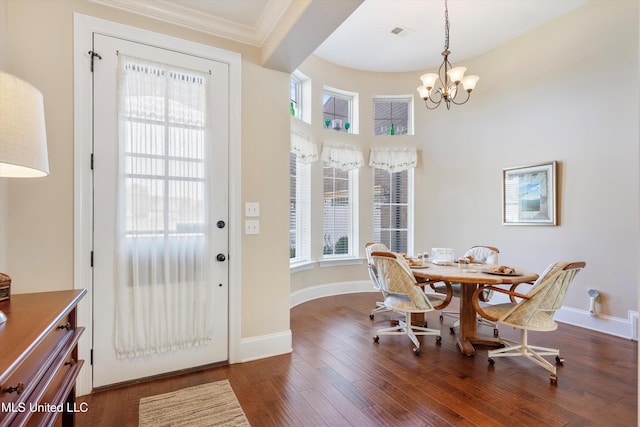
(221, 257)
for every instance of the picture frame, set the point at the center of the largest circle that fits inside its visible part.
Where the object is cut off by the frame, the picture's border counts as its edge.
(529, 195)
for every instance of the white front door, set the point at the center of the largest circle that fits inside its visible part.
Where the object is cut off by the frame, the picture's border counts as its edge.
(107, 367)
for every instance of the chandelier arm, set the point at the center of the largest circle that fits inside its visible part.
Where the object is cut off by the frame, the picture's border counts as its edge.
(435, 104)
(465, 100)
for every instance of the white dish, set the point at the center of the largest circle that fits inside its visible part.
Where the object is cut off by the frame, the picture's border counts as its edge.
(497, 273)
(442, 262)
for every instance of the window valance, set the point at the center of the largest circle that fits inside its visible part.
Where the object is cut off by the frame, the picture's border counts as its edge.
(304, 147)
(343, 157)
(395, 159)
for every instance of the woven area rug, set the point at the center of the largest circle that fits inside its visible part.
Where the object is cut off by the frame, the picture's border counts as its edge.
(213, 404)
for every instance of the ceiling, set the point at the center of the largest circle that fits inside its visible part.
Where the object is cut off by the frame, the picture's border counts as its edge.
(363, 40)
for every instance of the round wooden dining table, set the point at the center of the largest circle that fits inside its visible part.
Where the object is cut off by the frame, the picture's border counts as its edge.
(470, 278)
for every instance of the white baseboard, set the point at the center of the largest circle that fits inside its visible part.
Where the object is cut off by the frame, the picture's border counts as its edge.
(330, 289)
(624, 328)
(264, 346)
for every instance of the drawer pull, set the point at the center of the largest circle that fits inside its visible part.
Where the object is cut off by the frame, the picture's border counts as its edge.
(68, 326)
(19, 388)
(71, 362)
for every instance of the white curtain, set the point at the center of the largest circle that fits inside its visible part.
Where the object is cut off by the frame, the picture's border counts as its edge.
(162, 291)
(304, 147)
(396, 159)
(343, 157)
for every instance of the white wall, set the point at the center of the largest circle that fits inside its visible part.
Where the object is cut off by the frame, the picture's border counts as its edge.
(567, 91)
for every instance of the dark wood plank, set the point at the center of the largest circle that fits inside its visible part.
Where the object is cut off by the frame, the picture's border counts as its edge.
(337, 376)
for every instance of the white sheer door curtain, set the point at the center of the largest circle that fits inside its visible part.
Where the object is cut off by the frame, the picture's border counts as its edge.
(162, 279)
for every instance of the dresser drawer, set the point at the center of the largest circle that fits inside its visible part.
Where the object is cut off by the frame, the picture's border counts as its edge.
(47, 401)
(39, 340)
(18, 384)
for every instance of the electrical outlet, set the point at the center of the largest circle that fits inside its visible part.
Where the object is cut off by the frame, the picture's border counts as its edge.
(252, 226)
(252, 209)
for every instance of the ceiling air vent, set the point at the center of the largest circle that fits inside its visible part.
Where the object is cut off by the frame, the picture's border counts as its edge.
(401, 31)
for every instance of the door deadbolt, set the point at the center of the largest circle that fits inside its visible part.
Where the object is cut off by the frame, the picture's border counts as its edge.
(221, 257)
(221, 224)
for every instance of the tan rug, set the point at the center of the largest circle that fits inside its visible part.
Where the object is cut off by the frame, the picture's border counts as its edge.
(213, 404)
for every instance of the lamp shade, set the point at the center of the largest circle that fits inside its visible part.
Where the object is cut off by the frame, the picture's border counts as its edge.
(456, 74)
(469, 82)
(23, 140)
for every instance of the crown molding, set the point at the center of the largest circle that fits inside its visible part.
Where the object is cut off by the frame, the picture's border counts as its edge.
(177, 14)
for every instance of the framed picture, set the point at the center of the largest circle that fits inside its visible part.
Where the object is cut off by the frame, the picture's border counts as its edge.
(529, 195)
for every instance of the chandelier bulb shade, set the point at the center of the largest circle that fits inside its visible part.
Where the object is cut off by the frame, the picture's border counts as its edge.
(443, 86)
(23, 140)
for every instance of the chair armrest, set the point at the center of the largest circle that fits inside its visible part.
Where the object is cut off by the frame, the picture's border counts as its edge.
(513, 289)
(478, 293)
(447, 298)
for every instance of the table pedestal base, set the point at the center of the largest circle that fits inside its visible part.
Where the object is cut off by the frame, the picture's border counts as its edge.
(467, 348)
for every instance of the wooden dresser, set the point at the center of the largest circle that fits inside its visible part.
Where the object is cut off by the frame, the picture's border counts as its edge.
(39, 359)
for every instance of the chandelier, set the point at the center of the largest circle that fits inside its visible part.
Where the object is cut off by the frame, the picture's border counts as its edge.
(444, 86)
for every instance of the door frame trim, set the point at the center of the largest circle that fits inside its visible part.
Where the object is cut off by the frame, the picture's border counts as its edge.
(84, 27)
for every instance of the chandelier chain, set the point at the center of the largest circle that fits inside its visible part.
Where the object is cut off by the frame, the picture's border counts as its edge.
(446, 26)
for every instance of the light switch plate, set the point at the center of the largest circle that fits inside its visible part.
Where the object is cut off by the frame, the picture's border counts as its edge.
(252, 209)
(252, 226)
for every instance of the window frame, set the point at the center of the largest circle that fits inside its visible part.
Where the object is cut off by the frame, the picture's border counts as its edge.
(351, 98)
(410, 205)
(353, 203)
(408, 99)
(297, 95)
(302, 212)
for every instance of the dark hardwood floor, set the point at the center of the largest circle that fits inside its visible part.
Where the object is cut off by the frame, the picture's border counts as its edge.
(337, 376)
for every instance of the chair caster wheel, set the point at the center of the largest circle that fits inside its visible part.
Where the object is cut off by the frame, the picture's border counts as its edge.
(441, 318)
(553, 379)
(376, 339)
(438, 340)
(452, 331)
(371, 316)
(416, 351)
(491, 361)
(559, 361)
(496, 333)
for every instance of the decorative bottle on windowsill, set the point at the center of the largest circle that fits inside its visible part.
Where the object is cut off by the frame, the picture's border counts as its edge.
(292, 110)
(393, 130)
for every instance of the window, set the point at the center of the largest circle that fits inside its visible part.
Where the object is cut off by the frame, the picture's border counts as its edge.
(393, 209)
(296, 97)
(337, 110)
(300, 93)
(338, 212)
(164, 151)
(391, 113)
(299, 210)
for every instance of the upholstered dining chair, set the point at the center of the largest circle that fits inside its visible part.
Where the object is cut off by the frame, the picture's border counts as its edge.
(477, 254)
(373, 275)
(533, 312)
(404, 295)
